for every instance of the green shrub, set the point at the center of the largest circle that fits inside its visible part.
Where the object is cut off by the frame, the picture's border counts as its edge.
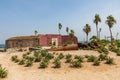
(3, 72)
(38, 58)
(102, 57)
(57, 63)
(79, 58)
(109, 60)
(68, 56)
(96, 63)
(60, 56)
(24, 55)
(28, 63)
(76, 64)
(36, 53)
(49, 56)
(44, 63)
(13, 58)
(30, 58)
(44, 53)
(21, 62)
(103, 50)
(91, 58)
(118, 52)
(16, 60)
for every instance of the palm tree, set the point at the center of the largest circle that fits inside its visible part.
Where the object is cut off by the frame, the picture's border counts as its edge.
(96, 21)
(71, 34)
(87, 29)
(99, 32)
(59, 27)
(67, 30)
(36, 32)
(110, 22)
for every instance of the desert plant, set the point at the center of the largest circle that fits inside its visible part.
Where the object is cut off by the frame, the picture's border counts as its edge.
(24, 55)
(76, 64)
(96, 63)
(79, 58)
(44, 63)
(91, 58)
(109, 60)
(3, 72)
(13, 58)
(103, 50)
(102, 57)
(44, 53)
(49, 56)
(28, 63)
(37, 58)
(60, 56)
(57, 63)
(30, 58)
(21, 62)
(28, 53)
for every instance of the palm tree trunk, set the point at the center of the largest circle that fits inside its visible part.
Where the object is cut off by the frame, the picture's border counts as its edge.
(110, 34)
(97, 29)
(87, 38)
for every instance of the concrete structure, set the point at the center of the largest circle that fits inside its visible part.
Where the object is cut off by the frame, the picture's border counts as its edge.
(40, 40)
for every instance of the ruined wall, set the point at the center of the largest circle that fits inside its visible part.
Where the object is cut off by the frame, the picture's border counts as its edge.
(17, 43)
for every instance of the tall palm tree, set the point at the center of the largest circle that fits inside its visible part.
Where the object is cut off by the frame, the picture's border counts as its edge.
(96, 21)
(71, 34)
(87, 29)
(67, 30)
(36, 32)
(99, 32)
(59, 27)
(110, 22)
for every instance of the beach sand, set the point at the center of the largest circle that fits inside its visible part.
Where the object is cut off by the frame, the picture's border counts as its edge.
(87, 72)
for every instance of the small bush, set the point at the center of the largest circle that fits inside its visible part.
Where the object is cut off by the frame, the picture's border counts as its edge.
(13, 58)
(102, 57)
(3, 72)
(76, 64)
(44, 64)
(44, 53)
(28, 63)
(109, 60)
(68, 56)
(60, 56)
(96, 63)
(79, 58)
(29, 58)
(91, 58)
(24, 55)
(57, 63)
(103, 50)
(118, 52)
(49, 56)
(37, 58)
(21, 62)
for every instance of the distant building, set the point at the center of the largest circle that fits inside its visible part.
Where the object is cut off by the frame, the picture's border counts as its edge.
(40, 40)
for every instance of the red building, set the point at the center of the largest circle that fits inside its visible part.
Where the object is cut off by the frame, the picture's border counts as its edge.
(45, 40)
(40, 40)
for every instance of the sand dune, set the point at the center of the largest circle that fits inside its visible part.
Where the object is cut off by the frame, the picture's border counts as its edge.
(87, 72)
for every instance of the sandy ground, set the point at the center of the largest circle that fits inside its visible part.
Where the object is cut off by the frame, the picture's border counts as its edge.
(87, 72)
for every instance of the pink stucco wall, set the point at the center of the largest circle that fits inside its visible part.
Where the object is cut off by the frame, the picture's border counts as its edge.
(46, 39)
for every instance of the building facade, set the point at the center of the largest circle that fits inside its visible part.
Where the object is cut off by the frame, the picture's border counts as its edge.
(40, 40)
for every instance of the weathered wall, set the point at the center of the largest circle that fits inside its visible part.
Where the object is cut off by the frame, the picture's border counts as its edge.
(22, 43)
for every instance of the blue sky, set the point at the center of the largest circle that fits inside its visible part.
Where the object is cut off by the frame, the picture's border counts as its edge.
(22, 17)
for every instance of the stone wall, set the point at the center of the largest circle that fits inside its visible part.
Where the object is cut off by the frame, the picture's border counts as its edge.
(18, 43)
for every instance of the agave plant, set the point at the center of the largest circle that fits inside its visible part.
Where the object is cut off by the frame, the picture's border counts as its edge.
(60, 56)
(109, 60)
(21, 62)
(28, 63)
(76, 64)
(44, 63)
(91, 58)
(57, 63)
(3, 72)
(96, 63)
